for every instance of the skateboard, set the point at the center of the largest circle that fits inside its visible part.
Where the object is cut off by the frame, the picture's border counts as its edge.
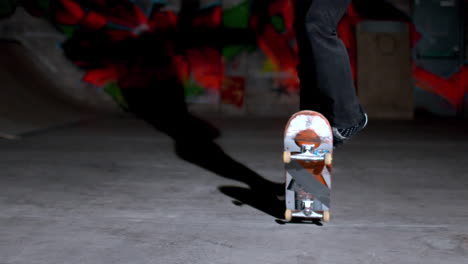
(308, 150)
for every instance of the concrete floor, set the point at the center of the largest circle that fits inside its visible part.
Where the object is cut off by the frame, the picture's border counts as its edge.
(114, 191)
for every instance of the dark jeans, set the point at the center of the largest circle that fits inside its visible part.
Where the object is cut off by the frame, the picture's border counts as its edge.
(324, 68)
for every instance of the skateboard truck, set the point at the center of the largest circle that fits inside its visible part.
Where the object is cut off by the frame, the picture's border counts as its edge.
(307, 206)
(309, 153)
(306, 212)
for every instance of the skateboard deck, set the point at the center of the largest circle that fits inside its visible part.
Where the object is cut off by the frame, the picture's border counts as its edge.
(308, 149)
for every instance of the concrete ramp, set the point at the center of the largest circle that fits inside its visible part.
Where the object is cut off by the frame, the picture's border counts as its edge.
(27, 100)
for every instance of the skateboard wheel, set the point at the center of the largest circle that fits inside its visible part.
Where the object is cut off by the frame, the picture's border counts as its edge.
(287, 157)
(328, 159)
(326, 216)
(288, 215)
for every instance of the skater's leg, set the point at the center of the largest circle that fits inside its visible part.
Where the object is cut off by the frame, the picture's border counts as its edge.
(324, 69)
(309, 91)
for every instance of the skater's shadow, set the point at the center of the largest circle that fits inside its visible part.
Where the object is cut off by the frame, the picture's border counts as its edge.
(261, 194)
(166, 111)
(194, 142)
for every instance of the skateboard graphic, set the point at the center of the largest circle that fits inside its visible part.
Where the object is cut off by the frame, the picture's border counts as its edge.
(308, 149)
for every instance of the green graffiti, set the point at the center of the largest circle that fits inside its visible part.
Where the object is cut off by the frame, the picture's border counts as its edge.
(67, 30)
(114, 91)
(192, 89)
(278, 23)
(237, 16)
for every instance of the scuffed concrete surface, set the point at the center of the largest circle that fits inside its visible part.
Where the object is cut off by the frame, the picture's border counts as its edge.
(114, 191)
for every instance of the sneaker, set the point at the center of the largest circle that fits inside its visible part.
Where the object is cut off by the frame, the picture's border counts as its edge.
(340, 135)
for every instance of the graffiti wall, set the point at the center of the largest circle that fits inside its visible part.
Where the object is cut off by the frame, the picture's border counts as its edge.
(439, 71)
(232, 54)
(215, 50)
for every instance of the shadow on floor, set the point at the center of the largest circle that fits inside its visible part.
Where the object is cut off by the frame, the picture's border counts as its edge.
(162, 105)
(262, 194)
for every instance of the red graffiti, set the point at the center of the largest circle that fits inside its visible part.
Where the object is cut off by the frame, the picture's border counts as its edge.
(452, 89)
(233, 91)
(280, 47)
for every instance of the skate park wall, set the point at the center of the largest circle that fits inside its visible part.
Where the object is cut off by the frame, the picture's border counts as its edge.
(248, 79)
(28, 103)
(384, 54)
(40, 89)
(440, 71)
(41, 42)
